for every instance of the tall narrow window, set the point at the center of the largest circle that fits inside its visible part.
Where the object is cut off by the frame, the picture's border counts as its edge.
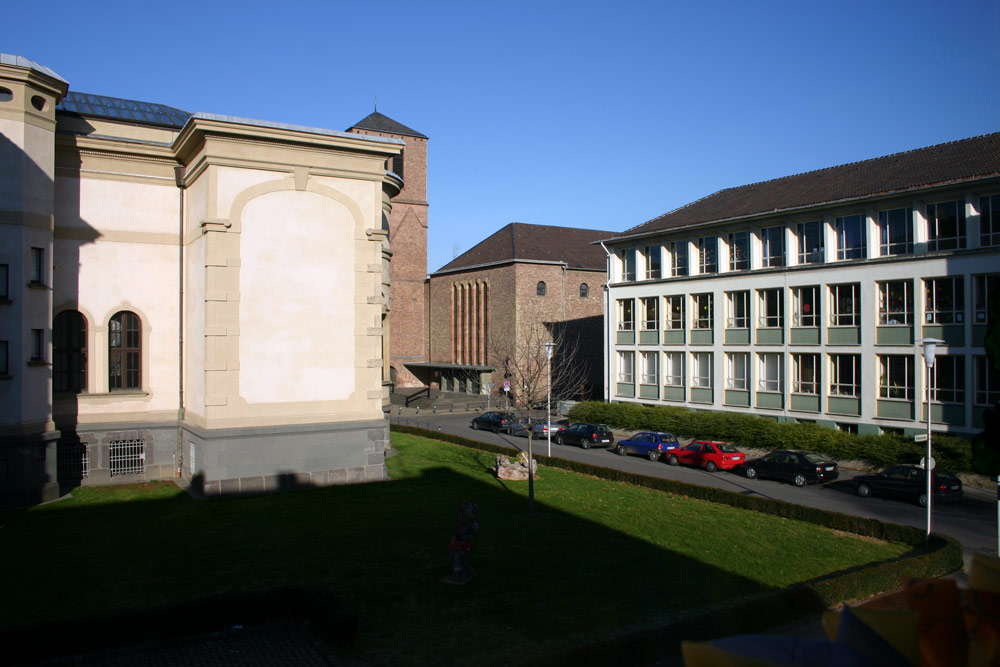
(626, 367)
(69, 352)
(38, 266)
(708, 247)
(679, 258)
(584, 290)
(989, 220)
(845, 375)
(772, 308)
(673, 369)
(850, 237)
(4, 282)
(701, 370)
(124, 352)
(895, 302)
(810, 236)
(896, 376)
(986, 288)
(895, 232)
(805, 306)
(805, 373)
(650, 319)
(987, 382)
(628, 264)
(647, 368)
(736, 370)
(654, 262)
(739, 251)
(772, 241)
(4, 359)
(769, 376)
(702, 311)
(845, 305)
(626, 316)
(945, 300)
(37, 345)
(738, 306)
(675, 312)
(946, 225)
(540, 288)
(949, 379)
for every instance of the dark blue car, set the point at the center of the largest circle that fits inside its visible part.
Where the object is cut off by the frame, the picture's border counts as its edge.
(649, 444)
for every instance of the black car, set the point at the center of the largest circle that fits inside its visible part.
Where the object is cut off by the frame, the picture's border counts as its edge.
(585, 435)
(796, 466)
(909, 482)
(494, 421)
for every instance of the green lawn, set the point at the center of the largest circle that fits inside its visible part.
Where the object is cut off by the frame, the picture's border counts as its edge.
(596, 559)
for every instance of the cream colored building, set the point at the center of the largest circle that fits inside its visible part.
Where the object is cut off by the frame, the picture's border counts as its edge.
(186, 295)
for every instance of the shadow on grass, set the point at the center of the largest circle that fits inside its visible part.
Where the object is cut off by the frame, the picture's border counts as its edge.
(548, 583)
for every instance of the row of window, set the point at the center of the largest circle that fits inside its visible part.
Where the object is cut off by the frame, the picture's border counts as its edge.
(540, 289)
(944, 303)
(69, 352)
(945, 229)
(37, 275)
(843, 374)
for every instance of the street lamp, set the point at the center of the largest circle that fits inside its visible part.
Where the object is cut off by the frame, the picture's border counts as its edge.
(548, 393)
(930, 347)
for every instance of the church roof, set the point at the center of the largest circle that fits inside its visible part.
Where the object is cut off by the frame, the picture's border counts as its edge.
(117, 108)
(941, 165)
(377, 122)
(520, 242)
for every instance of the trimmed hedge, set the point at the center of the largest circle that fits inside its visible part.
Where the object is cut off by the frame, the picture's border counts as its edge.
(745, 430)
(941, 555)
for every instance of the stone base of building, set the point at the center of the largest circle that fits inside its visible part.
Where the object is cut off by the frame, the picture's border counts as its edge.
(27, 469)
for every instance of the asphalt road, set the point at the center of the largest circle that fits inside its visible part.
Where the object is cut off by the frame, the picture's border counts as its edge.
(972, 520)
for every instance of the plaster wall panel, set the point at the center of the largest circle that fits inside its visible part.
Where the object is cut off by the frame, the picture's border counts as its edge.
(117, 206)
(231, 182)
(194, 328)
(297, 314)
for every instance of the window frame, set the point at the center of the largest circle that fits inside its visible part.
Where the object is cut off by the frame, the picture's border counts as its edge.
(772, 314)
(811, 317)
(889, 225)
(654, 269)
(674, 315)
(989, 220)
(768, 236)
(703, 301)
(949, 370)
(858, 251)
(944, 300)
(626, 314)
(648, 368)
(126, 355)
(837, 318)
(540, 288)
(986, 382)
(739, 243)
(801, 385)
(887, 316)
(845, 367)
(626, 369)
(816, 254)
(936, 240)
(4, 282)
(737, 370)
(584, 290)
(37, 266)
(769, 372)
(984, 287)
(629, 260)
(69, 352)
(37, 340)
(649, 309)
(701, 381)
(896, 377)
(680, 262)
(708, 255)
(734, 320)
(673, 369)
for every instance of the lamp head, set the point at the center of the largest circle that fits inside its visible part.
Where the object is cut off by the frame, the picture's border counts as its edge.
(930, 347)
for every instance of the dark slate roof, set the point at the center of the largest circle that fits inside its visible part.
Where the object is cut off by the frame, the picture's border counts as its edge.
(117, 108)
(539, 243)
(943, 164)
(21, 61)
(379, 123)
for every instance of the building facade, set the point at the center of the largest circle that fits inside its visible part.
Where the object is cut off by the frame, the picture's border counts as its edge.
(520, 276)
(186, 295)
(804, 298)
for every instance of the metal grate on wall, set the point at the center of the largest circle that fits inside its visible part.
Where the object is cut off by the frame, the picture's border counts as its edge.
(127, 457)
(72, 460)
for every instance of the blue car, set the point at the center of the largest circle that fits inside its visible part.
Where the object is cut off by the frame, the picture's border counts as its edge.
(651, 445)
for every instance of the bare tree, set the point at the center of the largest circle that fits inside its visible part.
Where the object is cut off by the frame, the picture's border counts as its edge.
(521, 357)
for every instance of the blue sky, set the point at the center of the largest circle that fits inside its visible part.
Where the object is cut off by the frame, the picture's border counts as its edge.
(587, 114)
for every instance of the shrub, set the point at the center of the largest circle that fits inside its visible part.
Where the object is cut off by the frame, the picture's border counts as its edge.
(747, 430)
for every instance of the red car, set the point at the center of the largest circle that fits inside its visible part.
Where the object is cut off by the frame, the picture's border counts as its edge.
(708, 454)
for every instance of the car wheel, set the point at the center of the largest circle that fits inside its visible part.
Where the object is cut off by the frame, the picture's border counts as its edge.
(496, 429)
(559, 440)
(799, 480)
(654, 455)
(711, 467)
(622, 451)
(672, 460)
(922, 500)
(475, 426)
(585, 444)
(864, 490)
(750, 472)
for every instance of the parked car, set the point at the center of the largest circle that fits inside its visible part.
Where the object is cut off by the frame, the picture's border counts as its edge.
(708, 454)
(541, 427)
(798, 467)
(494, 421)
(649, 444)
(909, 482)
(586, 435)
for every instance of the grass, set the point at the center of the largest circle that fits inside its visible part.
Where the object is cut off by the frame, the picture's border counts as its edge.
(596, 560)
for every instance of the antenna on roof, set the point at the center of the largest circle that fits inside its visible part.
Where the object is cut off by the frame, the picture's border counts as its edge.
(376, 103)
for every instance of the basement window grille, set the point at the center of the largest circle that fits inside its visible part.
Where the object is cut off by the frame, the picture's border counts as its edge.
(73, 462)
(127, 457)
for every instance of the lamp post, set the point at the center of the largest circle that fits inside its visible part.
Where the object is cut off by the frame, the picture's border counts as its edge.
(930, 347)
(548, 393)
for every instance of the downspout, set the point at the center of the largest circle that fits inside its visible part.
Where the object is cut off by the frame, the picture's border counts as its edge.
(179, 455)
(607, 329)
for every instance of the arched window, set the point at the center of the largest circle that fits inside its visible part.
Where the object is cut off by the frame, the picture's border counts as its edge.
(584, 290)
(541, 288)
(69, 352)
(124, 352)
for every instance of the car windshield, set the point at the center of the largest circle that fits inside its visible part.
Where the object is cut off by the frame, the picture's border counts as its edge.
(726, 448)
(813, 457)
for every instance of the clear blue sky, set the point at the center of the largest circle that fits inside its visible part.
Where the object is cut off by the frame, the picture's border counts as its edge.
(585, 114)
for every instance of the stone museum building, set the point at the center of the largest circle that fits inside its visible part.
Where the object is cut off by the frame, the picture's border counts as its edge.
(805, 297)
(195, 295)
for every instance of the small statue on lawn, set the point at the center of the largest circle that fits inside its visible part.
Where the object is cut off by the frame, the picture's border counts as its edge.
(465, 528)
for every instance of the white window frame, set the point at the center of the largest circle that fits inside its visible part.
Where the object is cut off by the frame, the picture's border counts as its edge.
(626, 314)
(851, 252)
(675, 316)
(772, 314)
(949, 379)
(733, 319)
(805, 311)
(739, 243)
(626, 367)
(770, 256)
(936, 238)
(629, 260)
(895, 378)
(845, 367)
(889, 222)
(895, 317)
(810, 255)
(737, 370)
(654, 262)
(648, 372)
(673, 369)
(698, 321)
(805, 374)
(701, 370)
(984, 287)
(769, 372)
(650, 318)
(938, 292)
(989, 220)
(680, 260)
(708, 254)
(840, 319)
